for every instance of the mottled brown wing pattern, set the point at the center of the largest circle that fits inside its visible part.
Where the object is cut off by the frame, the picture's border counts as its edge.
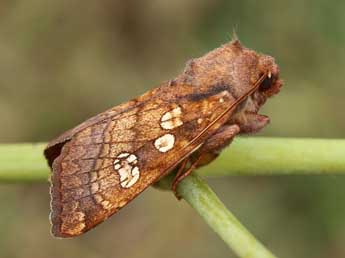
(106, 164)
(102, 164)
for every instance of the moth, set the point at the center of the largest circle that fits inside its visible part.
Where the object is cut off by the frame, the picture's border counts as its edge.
(102, 164)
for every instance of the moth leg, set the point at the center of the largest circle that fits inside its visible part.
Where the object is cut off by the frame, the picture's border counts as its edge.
(221, 138)
(208, 152)
(252, 122)
(181, 174)
(217, 142)
(181, 169)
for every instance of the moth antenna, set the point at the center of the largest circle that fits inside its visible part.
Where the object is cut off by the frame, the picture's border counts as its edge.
(234, 34)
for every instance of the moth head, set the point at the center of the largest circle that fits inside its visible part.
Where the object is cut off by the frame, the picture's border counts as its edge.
(237, 67)
(266, 77)
(246, 68)
(268, 69)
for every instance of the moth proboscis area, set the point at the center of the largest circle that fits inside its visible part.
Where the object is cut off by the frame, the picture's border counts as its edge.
(103, 163)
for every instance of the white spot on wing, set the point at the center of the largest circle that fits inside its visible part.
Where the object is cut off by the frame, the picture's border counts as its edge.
(171, 124)
(124, 165)
(135, 177)
(165, 142)
(171, 119)
(176, 112)
(166, 116)
(123, 155)
(131, 158)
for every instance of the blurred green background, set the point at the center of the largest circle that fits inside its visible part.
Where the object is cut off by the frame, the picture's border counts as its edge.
(64, 61)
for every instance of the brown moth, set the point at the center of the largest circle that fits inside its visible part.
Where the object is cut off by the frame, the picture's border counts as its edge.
(105, 162)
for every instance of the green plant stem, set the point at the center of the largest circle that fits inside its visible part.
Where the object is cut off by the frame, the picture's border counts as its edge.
(23, 163)
(279, 156)
(205, 202)
(246, 156)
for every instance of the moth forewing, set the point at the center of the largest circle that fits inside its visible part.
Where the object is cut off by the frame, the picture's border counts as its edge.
(104, 166)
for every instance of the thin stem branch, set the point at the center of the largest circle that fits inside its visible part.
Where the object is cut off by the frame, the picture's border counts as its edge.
(206, 203)
(23, 163)
(279, 156)
(245, 156)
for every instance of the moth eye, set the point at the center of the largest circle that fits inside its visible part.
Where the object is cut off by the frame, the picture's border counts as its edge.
(266, 84)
